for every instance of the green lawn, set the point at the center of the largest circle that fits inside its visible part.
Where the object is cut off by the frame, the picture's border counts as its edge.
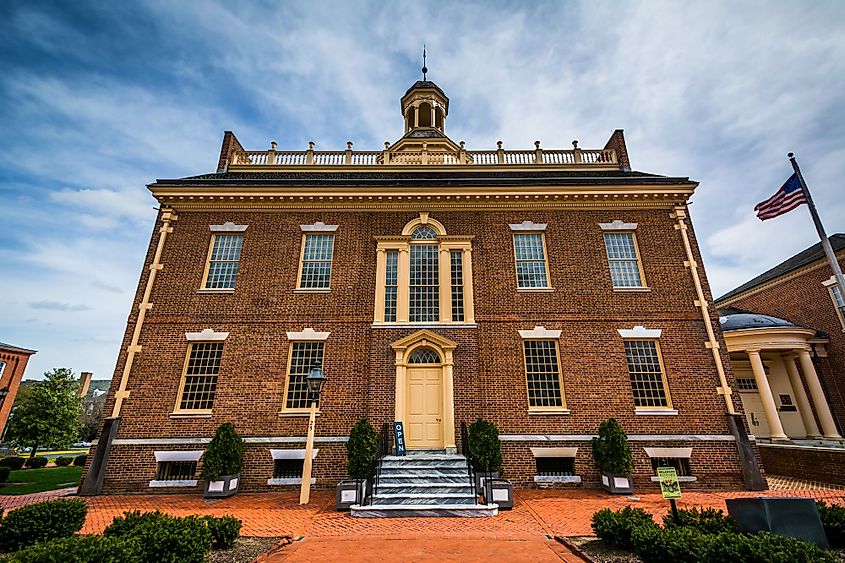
(28, 481)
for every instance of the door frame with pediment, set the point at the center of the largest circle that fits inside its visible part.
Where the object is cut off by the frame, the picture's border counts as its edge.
(403, 348)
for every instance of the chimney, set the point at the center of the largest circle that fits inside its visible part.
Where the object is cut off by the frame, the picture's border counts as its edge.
(84, 382)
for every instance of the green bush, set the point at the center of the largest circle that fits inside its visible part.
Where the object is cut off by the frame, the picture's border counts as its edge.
(706, 521)
(225, 531)
(484, 446)
(762, 547)
(360, 449)
(79, 461)
(41, 522)
(616, 527)
(63, 461)
(14, 462)
(225, 453)
(610, 449)
(655, 545)
(162, 538)
(80, 549)
(833, 521)
(36, 462)
(4, 473)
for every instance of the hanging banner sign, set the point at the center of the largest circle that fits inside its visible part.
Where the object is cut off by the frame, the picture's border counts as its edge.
(399, 437)
(669, 485)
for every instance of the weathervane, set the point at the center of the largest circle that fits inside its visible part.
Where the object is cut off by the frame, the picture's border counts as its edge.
(424, 69)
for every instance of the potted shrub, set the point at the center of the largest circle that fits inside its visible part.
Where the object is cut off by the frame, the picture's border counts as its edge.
(222, 462)
(613, 458)
(360, 449)
(486, 453)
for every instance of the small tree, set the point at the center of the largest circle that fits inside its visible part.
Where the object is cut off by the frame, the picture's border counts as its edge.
(48, 415)
(225, 453)
(484, 446)
(360, 449)
(610, 449)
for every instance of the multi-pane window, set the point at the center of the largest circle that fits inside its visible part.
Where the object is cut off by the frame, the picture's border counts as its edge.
(424, 356)
(316, 267)
(555, 466)
(176, 470)
(200, 381)
(746, 383)
(543, 374)
(424, 283)
(623, 259)
(391, 285)
(222, 267)
(303, 356)
(681, 465)
(648, 382)
(457, 276)
(288, 468)
(530, 253)
(839, 301)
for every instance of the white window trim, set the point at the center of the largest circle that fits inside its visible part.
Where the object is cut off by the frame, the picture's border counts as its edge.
(206, 335)
(161, 484)
(554, 452)
(228, 227)
(668, 452)
(308, 334)
(291, 454)
(830, 284)
(539, 333)
(528, 226)
(618, 225)
(318, 227)
(640, 332)
(192, 455)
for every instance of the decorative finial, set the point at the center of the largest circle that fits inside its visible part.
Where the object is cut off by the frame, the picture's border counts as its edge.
(273, 145)
(349, 145)
(537, 144)
(386, 145)
(499, 144)
(575, 144)
(424, 69)
(311, 145)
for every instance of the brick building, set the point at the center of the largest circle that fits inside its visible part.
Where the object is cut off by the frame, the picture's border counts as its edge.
(544, 290)
(13, 360)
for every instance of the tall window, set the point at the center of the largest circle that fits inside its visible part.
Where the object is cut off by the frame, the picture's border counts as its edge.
(531, 265)
(315, 271)
(391, 285)
(648, 380)
(457, 271)
(425, 277)
(199, 382)
(839, 302)
(623, 259)
(543, 374)
(223, 258)
(303, 356)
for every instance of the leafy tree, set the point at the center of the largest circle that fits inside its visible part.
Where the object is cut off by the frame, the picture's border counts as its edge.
(49, 414)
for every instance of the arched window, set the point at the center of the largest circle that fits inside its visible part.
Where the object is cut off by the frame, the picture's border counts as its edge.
(424, 233)
(424, 356)
(425, 114)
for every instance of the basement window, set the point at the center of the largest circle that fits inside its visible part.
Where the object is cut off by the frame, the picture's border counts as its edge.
(680, 464)
(287, 466)
(555, 466)
(176, 469)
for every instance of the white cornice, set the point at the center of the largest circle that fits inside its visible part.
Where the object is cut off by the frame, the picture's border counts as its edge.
(228, 227)
(318, 227)
(539, 332)
(308, 334)
(528, 226)
(206, 335)
(179, 455)
(640, 331)
(618, 225)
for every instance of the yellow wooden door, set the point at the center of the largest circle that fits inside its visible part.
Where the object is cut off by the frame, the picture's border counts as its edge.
(425, 408)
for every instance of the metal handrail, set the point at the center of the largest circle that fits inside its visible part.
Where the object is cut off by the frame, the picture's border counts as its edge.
(465, 451)
(383, 449)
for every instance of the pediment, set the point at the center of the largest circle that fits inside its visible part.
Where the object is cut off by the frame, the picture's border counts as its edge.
(434, 140)
(424, 335)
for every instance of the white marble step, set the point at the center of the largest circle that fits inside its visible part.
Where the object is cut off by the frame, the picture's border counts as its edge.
(432, 510)
(423, 477)
(424, 498)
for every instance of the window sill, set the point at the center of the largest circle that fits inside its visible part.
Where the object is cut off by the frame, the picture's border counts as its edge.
(198, 414)
(209, 291)
(552, 479)
(185, 483)
(297, 414)
(306, 290)
(681, 479)
(656, 412)
(535, 290)
(632, 289)
(290, 481)
(423, 325)
(548, 412)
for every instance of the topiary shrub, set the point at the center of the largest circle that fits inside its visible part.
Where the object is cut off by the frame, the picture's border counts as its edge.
(762, 547)
(484, 446)
(79, 461)
(80, 549)
(63, 461)
(655, 545)
(225, 453)
(14, 462)
(360, 449)
(36, 462)
(616, 527)
(162, 538)
(225, 531)
(41, 522)
(833, 521)
(610, 449)
(4, 473)
(706, 521)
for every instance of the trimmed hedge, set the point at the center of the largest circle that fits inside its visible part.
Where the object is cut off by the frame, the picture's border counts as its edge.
(615, 528)
(63, 461)
(162, 538)
(13, 461)
(4, 473)
(762, 547)
(833, 521)
(36, 462)
(80, 549)
(706, 521)
(225, 531)
(656, 545)
(79, 461)
(42, 521)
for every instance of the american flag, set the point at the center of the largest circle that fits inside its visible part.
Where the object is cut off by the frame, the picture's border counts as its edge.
(788, 197)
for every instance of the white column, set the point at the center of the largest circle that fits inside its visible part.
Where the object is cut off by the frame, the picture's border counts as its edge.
(469, 300)
(381, 272)
(448, 404)
(801, 397)
(399, 406)
(775, 427)
(819, 400)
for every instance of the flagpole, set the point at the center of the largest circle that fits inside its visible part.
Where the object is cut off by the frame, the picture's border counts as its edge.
(828, 250)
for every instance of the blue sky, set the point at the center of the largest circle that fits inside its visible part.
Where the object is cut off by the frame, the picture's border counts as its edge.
(98, 99)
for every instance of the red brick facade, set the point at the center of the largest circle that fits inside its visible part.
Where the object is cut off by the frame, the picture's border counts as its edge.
(14, 362)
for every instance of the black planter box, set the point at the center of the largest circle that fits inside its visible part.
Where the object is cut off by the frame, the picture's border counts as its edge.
(794, 517)
(501, 493)
(224, 487)
(346, 496)
(617, 484)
